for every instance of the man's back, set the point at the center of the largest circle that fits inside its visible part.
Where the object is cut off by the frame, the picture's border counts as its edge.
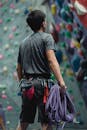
(33, 53)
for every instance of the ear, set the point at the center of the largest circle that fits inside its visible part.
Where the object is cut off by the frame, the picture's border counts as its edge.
(44, 24)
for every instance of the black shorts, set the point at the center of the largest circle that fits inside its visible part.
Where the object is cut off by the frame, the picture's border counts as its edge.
(29, 108)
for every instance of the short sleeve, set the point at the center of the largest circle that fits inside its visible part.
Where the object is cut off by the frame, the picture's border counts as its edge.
(49, 43)
(20, 52)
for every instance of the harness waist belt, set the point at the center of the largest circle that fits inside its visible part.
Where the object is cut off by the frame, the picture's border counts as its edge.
(37, 76)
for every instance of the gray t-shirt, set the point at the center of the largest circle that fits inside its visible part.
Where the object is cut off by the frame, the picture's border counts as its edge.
(32, 53)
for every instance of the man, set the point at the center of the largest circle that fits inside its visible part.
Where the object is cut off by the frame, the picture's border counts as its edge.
(37, 59)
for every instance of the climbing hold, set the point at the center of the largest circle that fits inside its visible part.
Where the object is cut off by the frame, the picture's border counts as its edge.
(17, 11)
(80, 52)
(1, 21)
(52, 77)
(8, 20)
(62, 25)
(72, 45)
(75, 31)
(63, 73)
(3, 92)
(1, 4)
(70, 91)
(16, 33)
(77, 44)
(70, 50)
(30, 8)
(5, 29)
(14, 28)
(4, 9)
(17, 1)
(5, 69)
(67, 65)
(4, 96)
(68, 34)
(19, 93)
(57, 26)
(60, 3)
(59, 56)
(63, 44)
(69, 72)
(65, 58)
(1, 56)
(16, 43)
(81, 103)
(69, 27)
(12, 6)
(2, 87)
(7, 122)
(9, 108)
(66, 14)
(7, 46)
(26, 11)
(75, 61)
(53, 9)
(11, 36)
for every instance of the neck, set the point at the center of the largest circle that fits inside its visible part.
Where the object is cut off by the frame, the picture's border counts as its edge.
(41, 30)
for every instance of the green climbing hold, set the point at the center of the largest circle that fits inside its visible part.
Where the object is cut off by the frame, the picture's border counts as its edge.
(52, 77)
(67, 8)
(80, 103)
(2, 87)
(63, 44)
(67, 65)
(63, 73)
(8, 20)
(75, 31)
(16, 34)
(5, 9)
(68, 34)
(70, 91)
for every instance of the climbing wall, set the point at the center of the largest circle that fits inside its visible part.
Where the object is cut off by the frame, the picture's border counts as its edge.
(69, 54)
(13, 30)
(73, 88)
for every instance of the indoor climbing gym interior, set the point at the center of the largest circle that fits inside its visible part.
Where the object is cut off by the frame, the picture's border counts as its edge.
(67, 23)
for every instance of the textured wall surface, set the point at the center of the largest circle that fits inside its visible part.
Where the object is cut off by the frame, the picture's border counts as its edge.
(13, 30)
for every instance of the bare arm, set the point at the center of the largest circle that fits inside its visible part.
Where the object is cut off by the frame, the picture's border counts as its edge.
(19, 72)
(55, 66)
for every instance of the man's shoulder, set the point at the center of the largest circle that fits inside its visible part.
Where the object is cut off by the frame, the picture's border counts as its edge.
(46, 35)
(24, 41)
